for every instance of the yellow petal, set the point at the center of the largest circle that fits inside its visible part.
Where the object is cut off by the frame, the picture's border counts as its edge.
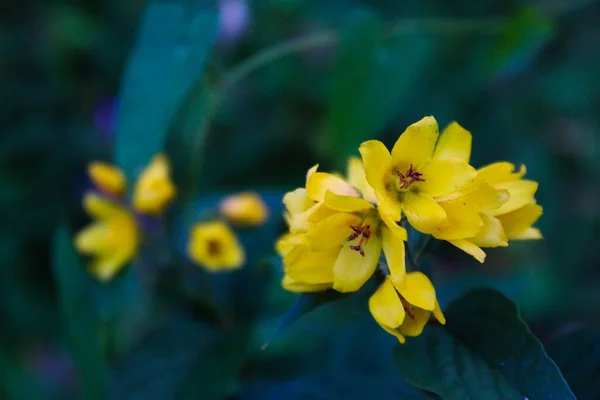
(215, 246)
(528, 234)
(424, 214)
(93, 239)
(113, 242)
(415, 321)
(465, 221)
(332, 231)
(499, 172)
(154, 190)
(485, 197)
(377, 163)
(301, 222)
(416, 144)
(358, 178)
(469, 248)
(287, 242)
(297, 201)
(319, 183)
(106, 268)
(302, 287)
(107, 178)
(454, 142)
(314, 267)
(393, 226)
(346, 203)
(393, 248)
(491, 233)
(417, 289)
(519, 220)
(521, 192)
(101, 207)
(386, 307)
(438, 314)
(378, 169)
(394, 332)
(442, 177)
(352, 270)
(246, 209)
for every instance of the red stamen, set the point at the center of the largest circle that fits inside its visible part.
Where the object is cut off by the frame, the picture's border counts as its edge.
(409, 178)
(364, 232)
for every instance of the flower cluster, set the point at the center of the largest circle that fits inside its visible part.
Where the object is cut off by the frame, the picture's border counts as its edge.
(114, 237)
(343, 230)
(213, 244)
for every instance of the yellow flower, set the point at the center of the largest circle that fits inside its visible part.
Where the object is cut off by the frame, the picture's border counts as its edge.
(154, 190)
(415, 173)
(511, 220)
(112, 239)
(215, 246)
(244, 209)
(404, 307)
(107, 178)
(336, 236)
(496, 207)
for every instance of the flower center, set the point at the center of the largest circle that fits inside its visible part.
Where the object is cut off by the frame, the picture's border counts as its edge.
(214, 247)
(362, 233)
(406, 179)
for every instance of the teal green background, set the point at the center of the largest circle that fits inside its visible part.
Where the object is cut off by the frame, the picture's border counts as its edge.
(521, 76)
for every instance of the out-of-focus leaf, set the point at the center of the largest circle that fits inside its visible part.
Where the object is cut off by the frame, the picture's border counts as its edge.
(348, 124)
(485, 352)
(578, 356)
(216, 373)
(173, 44)
(370, 78)
(80, 317)
(185, 143)
(159, 364)
(305, 302)
(522, 39)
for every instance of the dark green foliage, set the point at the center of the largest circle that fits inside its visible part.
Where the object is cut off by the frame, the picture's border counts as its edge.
(485, 351)
(173, 44)
(522, 78)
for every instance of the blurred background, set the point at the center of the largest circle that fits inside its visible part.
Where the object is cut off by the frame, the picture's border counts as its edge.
(522, 76)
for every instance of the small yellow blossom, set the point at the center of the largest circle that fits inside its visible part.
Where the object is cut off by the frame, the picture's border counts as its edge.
(410, 178)
(154, 189)
(404, 307)
(112, 239)
(511, 220)
(247, 209)
(215, 246)
(336, 236)
(107, 178)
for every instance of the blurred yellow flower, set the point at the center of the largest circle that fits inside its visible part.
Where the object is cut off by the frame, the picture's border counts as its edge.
(215, 246)
(410, 178)
(247, 209)
(154, 189)
(336, 236)
(403, 307)
(107, 178)
(112, 239)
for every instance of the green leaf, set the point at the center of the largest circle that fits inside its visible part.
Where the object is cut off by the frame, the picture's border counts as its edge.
(578, 356)
(485, 352)
(174, 42)
(522, 39)
(158, 365)
(305, 302)
(347, 124)
(370, 77)
(80, 317)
